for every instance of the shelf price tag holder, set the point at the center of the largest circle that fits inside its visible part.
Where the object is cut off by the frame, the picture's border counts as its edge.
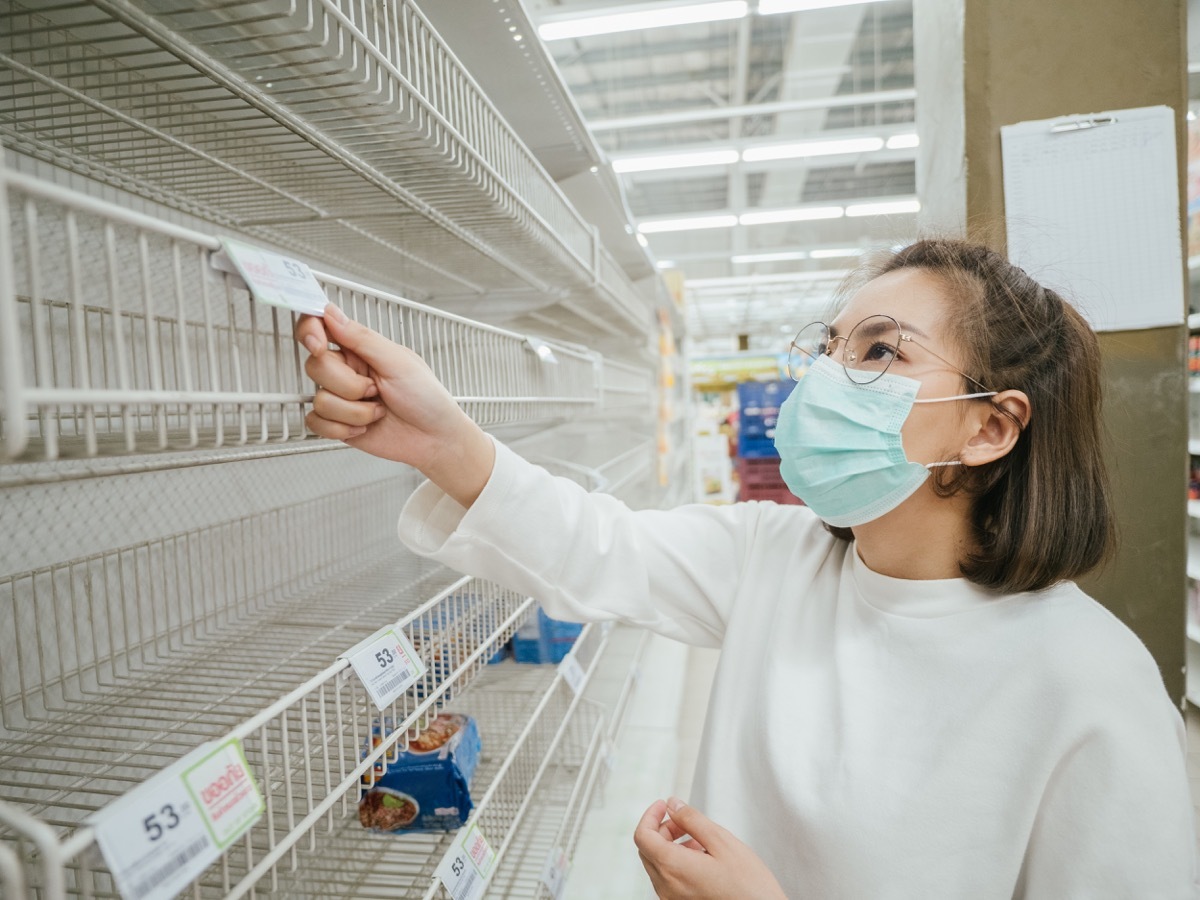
(572, 673)
(272, 278)
(554, 872)
(467, 865)
(159, 837)
(386, 664)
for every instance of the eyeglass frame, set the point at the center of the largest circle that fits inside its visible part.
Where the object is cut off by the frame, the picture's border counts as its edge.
(793, 346)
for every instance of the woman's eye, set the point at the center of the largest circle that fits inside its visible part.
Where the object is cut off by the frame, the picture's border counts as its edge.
(880, 352)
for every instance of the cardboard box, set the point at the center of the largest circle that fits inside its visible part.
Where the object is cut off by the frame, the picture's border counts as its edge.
(428, 787)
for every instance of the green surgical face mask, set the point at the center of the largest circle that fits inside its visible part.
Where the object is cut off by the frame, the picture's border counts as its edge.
(839, 443)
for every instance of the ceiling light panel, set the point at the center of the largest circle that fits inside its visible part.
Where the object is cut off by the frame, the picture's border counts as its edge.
(660, 161)
(772, 7)
(613, 23)
(798, 214)
(692, 223)
(890, 208)
(806, 149)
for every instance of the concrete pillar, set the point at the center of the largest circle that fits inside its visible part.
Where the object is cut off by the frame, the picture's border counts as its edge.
(980, 65)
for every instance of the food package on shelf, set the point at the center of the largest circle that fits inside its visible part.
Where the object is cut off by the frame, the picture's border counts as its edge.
(541, 639)
(427, 788)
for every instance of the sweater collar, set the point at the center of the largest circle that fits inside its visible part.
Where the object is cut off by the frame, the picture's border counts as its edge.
(916, 599)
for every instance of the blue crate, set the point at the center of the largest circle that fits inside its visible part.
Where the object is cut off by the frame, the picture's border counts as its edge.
(544, 640)
(760, 402)
(757, 447)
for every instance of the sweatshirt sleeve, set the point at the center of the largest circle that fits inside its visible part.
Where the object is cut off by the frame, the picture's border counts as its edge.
(587, 556)
(1115, 820)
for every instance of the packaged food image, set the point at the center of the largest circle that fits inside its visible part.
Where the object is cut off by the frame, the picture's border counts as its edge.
(427, 787)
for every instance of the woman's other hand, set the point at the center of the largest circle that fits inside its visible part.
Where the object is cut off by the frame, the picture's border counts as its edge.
(711, 865)
(381, 398)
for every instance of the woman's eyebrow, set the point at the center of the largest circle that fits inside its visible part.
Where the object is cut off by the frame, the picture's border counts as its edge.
(904, 326)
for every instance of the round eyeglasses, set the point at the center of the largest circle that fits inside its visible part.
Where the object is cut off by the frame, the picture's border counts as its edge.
(868, 350)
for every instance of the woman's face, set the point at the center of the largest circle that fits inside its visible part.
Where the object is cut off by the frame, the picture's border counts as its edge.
(933, 432)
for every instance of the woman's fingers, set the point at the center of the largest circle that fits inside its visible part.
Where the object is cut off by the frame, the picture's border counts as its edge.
(338, 431)
(698, 825)
(329, 405)
(646, 835)
(331, 371)
(310, 331)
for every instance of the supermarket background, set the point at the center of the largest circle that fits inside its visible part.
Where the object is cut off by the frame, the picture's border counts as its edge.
(601, 224)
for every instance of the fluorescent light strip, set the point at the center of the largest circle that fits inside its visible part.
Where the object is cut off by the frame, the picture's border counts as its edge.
(768, 257)
(837, 253)
(813, 148)
(772, 7)
(903, 142)
(895, 207)
(589, 26)
(799, 214)
(748, 280)
(693, 223)
(722, 157)
(780, 216)
(665, 264)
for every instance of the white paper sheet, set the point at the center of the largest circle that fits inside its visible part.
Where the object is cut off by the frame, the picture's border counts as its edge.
(1092, 211)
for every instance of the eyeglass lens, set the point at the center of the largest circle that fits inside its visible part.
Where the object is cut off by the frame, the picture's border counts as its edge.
(868, 351)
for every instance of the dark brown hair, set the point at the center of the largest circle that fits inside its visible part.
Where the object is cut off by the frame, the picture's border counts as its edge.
(1043, 512)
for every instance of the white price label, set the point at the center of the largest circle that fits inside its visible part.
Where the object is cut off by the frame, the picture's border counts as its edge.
(573, 673)
(554, 872)
(465, 868)
(610, 756)
(273, 278)
(160, 836)
(387, 664)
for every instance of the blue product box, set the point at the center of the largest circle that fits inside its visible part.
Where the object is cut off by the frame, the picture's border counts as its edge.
(428, 787)
(541, 639)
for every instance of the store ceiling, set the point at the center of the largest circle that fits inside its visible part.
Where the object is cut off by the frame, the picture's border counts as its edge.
(742, 90)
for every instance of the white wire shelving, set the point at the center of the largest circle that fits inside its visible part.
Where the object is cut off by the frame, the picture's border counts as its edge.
(309, 842)
(559, 808)
(141, 653)
(345, 131)
(118, 335)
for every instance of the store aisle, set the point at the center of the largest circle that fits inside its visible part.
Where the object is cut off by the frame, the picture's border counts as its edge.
(655, 758)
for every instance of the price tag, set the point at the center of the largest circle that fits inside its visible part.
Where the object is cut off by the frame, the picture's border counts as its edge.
(465, 868)
(160, 836)
(610, 756)
(387, 664)
(273, 278)
(573, 673)
(554, 872)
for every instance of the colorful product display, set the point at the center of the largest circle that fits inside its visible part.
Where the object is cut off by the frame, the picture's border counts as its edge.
(427, 787)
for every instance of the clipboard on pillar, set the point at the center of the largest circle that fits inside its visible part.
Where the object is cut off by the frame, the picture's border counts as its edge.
(1092, 211)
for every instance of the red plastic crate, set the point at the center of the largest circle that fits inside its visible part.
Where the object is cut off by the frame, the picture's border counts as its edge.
(773, 494)
(759, 472)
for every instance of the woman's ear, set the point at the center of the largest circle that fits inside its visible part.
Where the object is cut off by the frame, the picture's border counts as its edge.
(999, 428)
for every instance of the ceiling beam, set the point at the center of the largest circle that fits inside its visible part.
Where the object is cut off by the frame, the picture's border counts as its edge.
(870, 98)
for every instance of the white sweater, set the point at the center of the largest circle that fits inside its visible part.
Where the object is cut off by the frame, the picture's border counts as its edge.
(869, 737)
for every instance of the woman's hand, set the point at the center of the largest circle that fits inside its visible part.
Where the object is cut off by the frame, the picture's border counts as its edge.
(711, 865)
(382, 398)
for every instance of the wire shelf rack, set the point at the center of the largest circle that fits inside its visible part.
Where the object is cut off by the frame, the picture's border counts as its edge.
(119, 335)
(137, 656)
(344, 130)
(309, 842)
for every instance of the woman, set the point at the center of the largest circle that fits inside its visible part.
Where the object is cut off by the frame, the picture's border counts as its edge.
(913, 699)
